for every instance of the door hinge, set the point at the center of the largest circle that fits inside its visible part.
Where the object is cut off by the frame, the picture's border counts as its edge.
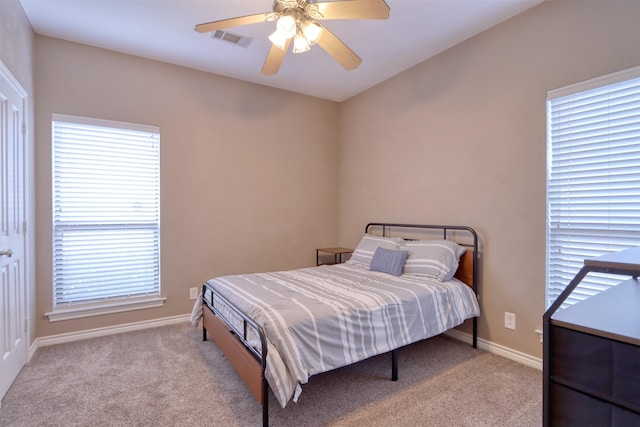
(24, 129)
(24, 227)
(26, 325)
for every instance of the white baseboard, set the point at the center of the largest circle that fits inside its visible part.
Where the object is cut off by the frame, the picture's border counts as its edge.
(498, 349)
(101, 332)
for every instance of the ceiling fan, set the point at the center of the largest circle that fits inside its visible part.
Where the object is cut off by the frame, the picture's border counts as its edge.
(298, 21)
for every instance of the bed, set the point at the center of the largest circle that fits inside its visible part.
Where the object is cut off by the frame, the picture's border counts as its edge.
(402, 284)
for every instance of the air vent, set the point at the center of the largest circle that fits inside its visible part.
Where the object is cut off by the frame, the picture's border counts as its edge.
(242, 41)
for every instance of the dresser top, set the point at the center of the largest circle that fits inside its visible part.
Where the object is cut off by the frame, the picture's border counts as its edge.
(613, 313)
(628, 259)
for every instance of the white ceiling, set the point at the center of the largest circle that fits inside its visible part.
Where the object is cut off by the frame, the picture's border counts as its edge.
(164, 30)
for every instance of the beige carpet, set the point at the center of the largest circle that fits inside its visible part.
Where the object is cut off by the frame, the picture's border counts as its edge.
(169, 377)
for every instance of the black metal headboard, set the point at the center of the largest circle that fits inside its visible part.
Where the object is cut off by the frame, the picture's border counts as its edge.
(445, 230)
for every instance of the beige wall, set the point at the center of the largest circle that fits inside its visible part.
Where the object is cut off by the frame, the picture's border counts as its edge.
(16, 53)
(460, 139)
(248, 173)
(16, 42)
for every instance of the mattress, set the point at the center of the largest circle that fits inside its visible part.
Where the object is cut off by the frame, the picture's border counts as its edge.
(321, 318)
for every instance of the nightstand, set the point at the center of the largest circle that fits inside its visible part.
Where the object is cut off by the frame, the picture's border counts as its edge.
(337, 253)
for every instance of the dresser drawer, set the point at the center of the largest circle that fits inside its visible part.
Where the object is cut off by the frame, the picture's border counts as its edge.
(572, 408)
(609, 368)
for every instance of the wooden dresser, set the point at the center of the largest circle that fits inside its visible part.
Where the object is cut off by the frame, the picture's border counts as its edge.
(591, 361)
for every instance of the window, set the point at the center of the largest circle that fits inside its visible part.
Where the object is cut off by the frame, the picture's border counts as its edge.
(593, 178)
(106, 215)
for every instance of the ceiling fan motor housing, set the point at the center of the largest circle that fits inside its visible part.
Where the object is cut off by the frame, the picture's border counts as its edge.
(299, 9)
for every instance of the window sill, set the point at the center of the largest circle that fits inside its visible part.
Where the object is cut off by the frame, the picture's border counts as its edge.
(110, 307)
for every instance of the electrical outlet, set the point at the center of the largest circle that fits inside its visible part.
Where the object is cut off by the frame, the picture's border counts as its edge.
(509, 320)
(193, 293)
(539, 332)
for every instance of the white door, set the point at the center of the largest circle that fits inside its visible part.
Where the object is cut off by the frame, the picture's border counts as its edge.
(13, 348)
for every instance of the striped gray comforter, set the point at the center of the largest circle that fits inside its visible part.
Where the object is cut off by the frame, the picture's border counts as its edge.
(321, 318)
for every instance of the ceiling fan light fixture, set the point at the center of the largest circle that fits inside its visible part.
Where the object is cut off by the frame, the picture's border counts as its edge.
(312, 32)
(300, 43)
(279, 39)
(287, 25)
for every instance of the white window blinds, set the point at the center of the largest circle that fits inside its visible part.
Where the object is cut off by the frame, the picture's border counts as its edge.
(106, 210)
(593, 178)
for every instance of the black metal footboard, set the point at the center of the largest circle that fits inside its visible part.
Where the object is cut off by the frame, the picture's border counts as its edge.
(242, 335)
(217, 306)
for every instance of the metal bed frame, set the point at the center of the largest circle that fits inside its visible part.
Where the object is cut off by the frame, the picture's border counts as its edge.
(251, 367)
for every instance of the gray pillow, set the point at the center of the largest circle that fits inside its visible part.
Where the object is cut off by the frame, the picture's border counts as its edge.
(368, 245)
(389, 261)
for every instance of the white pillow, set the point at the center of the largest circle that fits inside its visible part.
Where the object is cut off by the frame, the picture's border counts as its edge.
(367, 247)
(433, 258)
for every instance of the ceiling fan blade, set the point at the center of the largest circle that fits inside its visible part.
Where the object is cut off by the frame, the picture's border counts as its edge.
(340, 51)
(274, 59)
(353, 9)
(232, 22)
